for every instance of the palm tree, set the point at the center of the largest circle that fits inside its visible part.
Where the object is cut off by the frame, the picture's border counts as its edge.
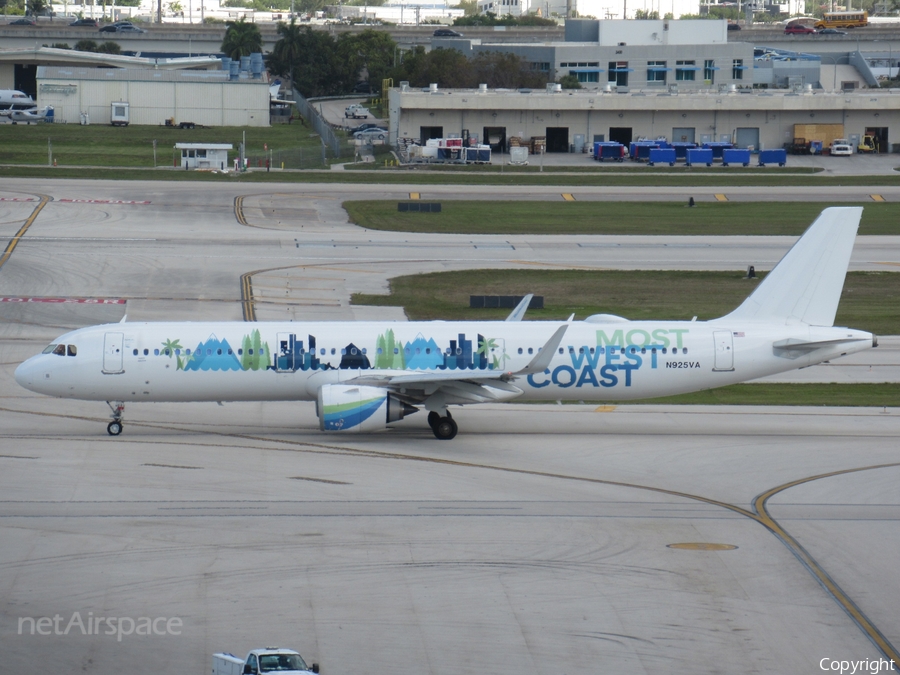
(287, 50)
(241, 39)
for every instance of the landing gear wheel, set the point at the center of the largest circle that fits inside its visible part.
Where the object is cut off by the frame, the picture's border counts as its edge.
(433, 419)
(445, 429)
(114, 428)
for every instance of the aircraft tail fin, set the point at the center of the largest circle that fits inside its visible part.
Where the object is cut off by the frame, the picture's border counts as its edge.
(805, 286)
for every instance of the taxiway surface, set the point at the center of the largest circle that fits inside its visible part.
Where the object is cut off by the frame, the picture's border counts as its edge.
(540, 540)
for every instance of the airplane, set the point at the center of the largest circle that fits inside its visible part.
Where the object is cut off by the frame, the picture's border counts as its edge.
(364, 376)
(12, 99)
(29, 116)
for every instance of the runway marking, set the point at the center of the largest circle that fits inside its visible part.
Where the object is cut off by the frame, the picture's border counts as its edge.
(104, 201)
(721, 198)
(836, 592)
(247, 307)
(605, 408)
(172, 466)
(239, 211)
(413, 195)
(64, 301)
(16, 199)
(877, 198)
(568, 196)
(320, 480)
(22, 230)
(702, 546)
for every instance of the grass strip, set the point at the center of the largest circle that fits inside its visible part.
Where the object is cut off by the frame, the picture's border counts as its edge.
(869, 301)
(883, 394)
(561, 217)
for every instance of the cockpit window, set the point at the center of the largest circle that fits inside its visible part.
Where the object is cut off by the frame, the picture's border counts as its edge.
(60, 350)
(72, 350)
(49, 349)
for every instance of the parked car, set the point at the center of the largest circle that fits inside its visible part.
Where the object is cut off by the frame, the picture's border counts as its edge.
(369, 125)
(85, 22)
(22, 22)
(798, 29)
(446, 32)
(832, 31)
(356, 111)
(370, 135)
(362, 88)
(734, 26)
(841, 146)
(129, 29)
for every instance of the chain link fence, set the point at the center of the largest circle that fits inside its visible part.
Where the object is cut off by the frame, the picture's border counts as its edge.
(333, 143)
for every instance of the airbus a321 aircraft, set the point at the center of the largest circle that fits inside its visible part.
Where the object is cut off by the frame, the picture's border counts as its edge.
(367, 375)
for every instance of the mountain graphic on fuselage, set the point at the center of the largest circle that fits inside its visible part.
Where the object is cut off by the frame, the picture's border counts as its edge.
(214, 354)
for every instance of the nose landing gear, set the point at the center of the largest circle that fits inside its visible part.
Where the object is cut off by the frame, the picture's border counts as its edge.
(114, 428)
(444, 428)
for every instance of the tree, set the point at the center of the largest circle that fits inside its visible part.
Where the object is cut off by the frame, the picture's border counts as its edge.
(85, 46)
(570, 82)
(109, 47)
(37, 7)
(287, 50)
(241, 39)
(367, 56)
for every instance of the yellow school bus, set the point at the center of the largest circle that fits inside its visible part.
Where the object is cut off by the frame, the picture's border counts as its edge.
(856, 19)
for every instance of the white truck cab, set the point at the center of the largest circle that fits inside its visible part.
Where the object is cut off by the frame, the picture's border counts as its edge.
(356, 111)
(261, 661)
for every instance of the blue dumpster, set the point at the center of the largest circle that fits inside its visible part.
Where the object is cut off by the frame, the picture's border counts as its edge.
(718, 148)
(608, 150)
(736, 156)
(682, 148)
(640, 150)
(700, 156)
(662, 155)
(778, 157)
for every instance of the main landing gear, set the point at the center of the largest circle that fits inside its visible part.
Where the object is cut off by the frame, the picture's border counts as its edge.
(444, 428)
(114, 428)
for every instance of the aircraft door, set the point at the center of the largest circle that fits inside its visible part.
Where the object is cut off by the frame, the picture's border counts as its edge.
(724, 350)
(112, 353)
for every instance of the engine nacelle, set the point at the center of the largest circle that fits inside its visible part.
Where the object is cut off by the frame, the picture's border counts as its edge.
(345, 407)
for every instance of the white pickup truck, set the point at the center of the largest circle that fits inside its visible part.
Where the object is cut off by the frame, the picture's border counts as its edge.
(259, 661)
(356, 112)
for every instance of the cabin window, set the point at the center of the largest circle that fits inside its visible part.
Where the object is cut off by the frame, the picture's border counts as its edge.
(459, 351)
(250, 351)
(427, 350)
(663, 350)
(343, 352)
(397, 350)
(187, 351)
(643, 350)
(520, 350)
(218, 352)
(262, 350)
(560, 350)
(146, 352)
(571, 350)
(363, 350)
(209, 352)
(49, 349)
(591, 350)
(674, 350)
(530, 350)
(230, 352)
(633, 350)
(354, 352)
(322, 351)
(333, 351)
(684, 350)
(155, 352)
(166, 352)
(135, 352)
(653, 351)
(72, 350)
(406, 350)
(60, 350)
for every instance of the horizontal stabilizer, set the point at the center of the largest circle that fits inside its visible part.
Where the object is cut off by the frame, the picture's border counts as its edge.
(805, 286)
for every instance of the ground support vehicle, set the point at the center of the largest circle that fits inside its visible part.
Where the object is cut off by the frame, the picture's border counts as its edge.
(260, 661)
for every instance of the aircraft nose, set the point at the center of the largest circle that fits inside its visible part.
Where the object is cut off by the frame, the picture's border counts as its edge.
(25, 373)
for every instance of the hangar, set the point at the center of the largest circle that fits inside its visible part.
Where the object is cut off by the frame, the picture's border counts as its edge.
(572, 119)
(205, 97)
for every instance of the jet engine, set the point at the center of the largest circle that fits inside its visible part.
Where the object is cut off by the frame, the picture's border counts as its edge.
(349, 408)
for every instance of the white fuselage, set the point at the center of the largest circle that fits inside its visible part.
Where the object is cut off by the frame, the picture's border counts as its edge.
(272, 361)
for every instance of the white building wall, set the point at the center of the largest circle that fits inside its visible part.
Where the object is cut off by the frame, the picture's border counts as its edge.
(696, 32)
(151, 103)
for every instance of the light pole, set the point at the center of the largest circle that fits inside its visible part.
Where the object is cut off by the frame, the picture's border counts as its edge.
(835, 64)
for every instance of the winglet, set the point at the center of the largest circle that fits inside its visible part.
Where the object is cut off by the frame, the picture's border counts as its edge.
(519, 311)
(123, 319)
(542, 359)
